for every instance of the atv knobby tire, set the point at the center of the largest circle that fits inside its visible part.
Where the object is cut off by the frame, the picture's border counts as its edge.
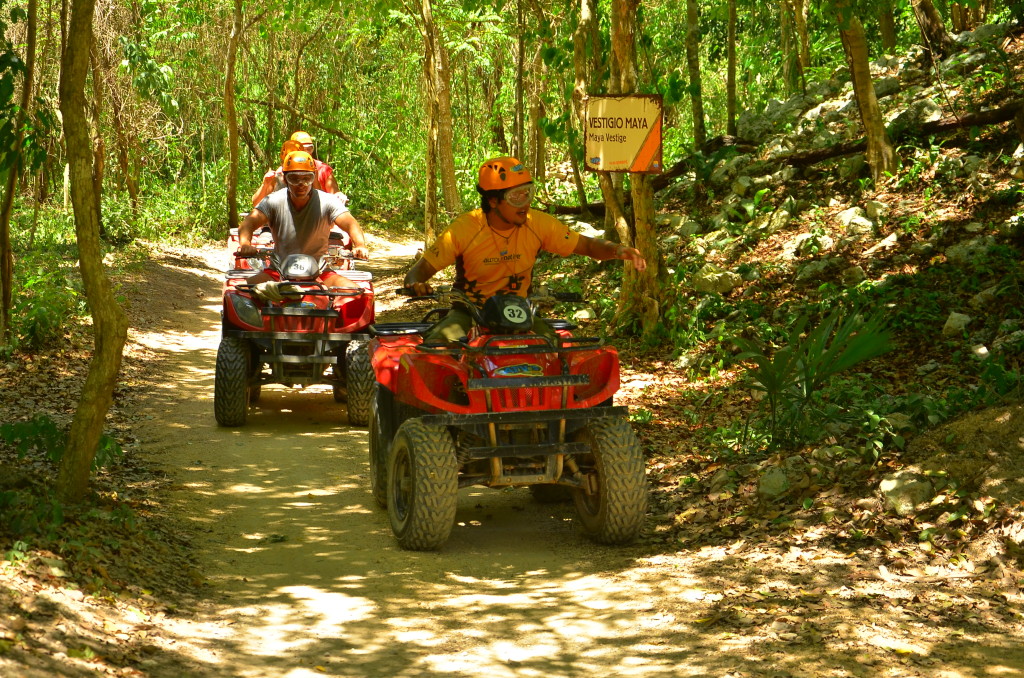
(359, 381)
(230, 386)
(380, 440)
(422, 485)
(615, 513)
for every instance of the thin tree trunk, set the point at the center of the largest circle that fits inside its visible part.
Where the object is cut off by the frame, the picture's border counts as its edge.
(439, 78)
(639, 302)
(490, 84)
(230, 116)
(790, 47)
(98, 144)
(518, 142)
(730, 77)
(700, 134)
(581, 41)
(936, 39)
(110, 325)
(6, 253)
(880, 154)
(887, 26)
(800, 16)
(537, 112)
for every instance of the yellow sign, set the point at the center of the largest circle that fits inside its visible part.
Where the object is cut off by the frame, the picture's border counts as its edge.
(624, 133)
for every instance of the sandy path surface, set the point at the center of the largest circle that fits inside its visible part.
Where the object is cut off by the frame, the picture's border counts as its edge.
(307, 580)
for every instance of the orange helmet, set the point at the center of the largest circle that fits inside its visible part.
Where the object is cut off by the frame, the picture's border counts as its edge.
(501, 173)
(289, 146)
(298, 161)
(302, 137)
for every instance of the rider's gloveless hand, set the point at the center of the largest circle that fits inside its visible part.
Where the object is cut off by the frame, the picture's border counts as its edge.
(361, 253)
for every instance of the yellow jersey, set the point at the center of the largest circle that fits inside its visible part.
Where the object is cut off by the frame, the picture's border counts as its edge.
(488, 263)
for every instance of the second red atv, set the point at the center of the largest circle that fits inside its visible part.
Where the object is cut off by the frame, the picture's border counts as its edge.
(504, 408)
(318, 336)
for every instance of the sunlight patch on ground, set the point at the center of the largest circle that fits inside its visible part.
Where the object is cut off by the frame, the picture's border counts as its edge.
(308, 614)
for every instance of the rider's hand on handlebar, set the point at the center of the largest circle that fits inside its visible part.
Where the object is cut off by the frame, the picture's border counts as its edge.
(246, 251)
(361, 252)
(421, 289)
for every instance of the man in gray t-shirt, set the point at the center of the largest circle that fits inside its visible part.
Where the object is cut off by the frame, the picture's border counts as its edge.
(300, 218)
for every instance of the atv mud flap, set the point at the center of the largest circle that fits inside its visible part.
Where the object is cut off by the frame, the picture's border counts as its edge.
(559, 423)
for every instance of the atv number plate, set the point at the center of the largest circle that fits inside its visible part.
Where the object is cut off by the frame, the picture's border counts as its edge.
(514, 314)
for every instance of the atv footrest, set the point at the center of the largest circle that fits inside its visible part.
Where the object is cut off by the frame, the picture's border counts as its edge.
(531, 450)
(528, 382)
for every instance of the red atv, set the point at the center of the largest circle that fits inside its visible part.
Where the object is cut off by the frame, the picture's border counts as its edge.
(505, 408)
(314, 336)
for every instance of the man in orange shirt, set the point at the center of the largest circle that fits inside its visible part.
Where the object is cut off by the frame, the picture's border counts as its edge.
(495, 247)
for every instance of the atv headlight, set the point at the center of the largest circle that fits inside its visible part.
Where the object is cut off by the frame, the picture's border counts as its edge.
(246, 310)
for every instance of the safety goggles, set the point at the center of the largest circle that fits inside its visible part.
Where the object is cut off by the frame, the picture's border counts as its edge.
(299, 178)
(519, 196)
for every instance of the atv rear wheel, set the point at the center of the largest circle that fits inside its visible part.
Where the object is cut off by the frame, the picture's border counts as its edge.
(380, 440)
(422, 485)
(230, 387)
(359, 381)
(614, 514)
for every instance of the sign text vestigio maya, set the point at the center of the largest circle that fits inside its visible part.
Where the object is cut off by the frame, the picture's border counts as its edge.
(623, 134)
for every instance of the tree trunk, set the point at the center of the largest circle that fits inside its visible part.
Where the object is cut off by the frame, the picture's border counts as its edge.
(730, 76)
(6, 254)
(880, 154)
(887, 26)
(231, 118)
(518, 142)
(430, 211)
(639, 302)
(800, 16)
(491, 86)
(110, 325)
(439, 79)
(700, 134)
(537, 112)
(791, 71)
(582, 39)
(936, 39)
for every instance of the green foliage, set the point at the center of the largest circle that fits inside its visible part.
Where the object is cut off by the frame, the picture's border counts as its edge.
(45, 303)
(42, 435)
(794, 376)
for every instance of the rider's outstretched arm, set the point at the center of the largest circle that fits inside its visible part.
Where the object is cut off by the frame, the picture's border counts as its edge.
(600, 249)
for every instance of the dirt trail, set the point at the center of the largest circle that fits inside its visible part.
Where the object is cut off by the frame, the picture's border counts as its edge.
(308, 581)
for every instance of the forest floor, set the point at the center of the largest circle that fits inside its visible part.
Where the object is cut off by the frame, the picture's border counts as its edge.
(259, 551)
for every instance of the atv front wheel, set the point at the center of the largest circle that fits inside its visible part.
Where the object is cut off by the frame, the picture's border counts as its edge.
(380, 440)
(422, 485)
(359, 381)
(230, 386)
(614, 514)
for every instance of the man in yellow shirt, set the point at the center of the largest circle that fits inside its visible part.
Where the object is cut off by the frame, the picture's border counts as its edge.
(495, 247)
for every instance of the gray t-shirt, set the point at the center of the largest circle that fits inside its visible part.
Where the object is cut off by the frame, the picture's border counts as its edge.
(304, 231)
